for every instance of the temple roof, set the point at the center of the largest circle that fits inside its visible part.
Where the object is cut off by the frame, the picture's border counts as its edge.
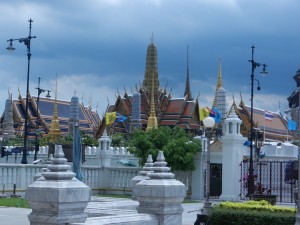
(171, 112)
(275, 129)
(89, 120)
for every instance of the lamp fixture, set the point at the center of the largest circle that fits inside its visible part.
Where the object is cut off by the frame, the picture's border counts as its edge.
(10, 48)
(209, 122)
(48, 94)
(264, 71)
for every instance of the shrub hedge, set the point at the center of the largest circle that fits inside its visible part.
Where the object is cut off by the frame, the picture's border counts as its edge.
(251, 213)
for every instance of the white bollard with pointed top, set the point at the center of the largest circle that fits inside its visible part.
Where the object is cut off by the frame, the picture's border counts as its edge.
(148, 168)
(161, 195)
(57, 197)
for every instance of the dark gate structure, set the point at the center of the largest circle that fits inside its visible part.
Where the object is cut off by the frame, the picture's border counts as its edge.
(271, 177)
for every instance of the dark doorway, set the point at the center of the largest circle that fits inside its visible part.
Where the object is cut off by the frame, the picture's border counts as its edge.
(215, 179)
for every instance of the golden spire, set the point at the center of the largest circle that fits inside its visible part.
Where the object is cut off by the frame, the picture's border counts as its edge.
(152, 120)
(219, 83)
(151, 68)
(54, 131)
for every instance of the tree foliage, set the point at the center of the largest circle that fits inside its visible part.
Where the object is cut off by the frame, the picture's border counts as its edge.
(179, 147)
(118, 140)
(67, 139)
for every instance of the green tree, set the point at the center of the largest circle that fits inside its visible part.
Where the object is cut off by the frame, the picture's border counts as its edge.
(17, 141)
(118, 140)
(67, 139)
(87, 140)
(178, 146)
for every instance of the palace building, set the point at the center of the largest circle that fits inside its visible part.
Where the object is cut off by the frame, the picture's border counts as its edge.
(152, 106)
(50, 111)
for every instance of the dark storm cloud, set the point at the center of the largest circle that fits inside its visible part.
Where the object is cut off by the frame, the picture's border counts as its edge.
(99, 46)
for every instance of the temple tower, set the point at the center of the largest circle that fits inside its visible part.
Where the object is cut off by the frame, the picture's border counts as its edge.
(187, 91)
(136, 111)
(74, 113)
(221, 102)
(8, 123)
(151, 68)
(54, 131)
(219, 84)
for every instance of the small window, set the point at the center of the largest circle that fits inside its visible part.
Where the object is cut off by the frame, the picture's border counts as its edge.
(230, 127)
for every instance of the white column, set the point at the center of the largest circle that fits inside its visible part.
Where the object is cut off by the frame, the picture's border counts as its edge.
(231, 158)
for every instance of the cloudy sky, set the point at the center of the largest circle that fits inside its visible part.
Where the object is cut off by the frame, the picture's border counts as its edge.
(96, 47)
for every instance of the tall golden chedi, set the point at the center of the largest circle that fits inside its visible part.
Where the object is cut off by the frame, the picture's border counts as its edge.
(219, 84)
(151, 82)
(54, 131)
(152, 120)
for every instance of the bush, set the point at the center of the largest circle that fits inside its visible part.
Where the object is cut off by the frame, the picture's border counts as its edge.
(251, 212)
(256, 205)
(178, 146)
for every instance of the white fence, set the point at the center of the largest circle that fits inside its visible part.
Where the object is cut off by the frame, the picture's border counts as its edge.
(99, 179)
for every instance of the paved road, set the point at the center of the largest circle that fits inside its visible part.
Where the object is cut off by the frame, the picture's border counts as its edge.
(18, 216)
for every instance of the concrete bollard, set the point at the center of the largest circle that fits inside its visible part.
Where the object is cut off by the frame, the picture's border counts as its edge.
(57, 197)
(161, 195)
(142, 174)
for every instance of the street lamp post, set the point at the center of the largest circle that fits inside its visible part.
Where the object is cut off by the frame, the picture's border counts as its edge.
(209, 123)
(210, 130)
(37, 130)
(251, 169)
(10, 48)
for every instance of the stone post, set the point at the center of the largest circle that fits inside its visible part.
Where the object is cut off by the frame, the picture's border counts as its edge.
(161, 195)
(57, 197)
(142, 174)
